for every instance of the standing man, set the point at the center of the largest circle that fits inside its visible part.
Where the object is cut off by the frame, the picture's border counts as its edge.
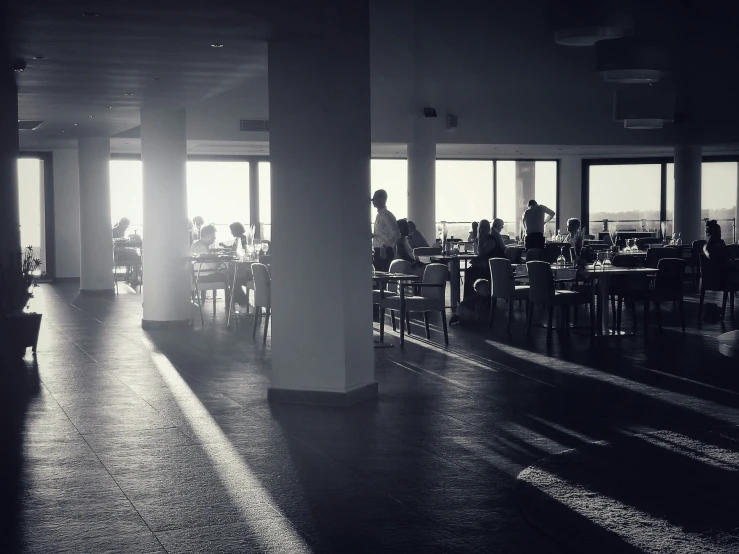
(386, 233)
(533, 221)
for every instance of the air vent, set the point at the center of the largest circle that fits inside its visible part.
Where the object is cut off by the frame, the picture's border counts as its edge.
(254, 125)
(29, 124)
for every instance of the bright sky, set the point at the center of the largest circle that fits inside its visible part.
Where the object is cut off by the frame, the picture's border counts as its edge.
(29, 201)
(392, 176)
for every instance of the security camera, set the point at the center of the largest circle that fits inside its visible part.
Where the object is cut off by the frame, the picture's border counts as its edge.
(19, 66)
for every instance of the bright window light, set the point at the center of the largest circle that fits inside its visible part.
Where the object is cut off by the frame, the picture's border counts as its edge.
(265, 200)
(391, 176)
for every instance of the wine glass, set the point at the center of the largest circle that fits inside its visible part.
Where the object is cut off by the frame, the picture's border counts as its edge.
(607, 260)
(597, 263)
(679, 240)
(561, 261)
(265, 247)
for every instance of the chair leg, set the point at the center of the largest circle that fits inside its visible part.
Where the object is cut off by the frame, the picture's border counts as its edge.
(551, 316)
(248, 295)
(256, 322)
(392, 318)
(426, 323)
(407, 323)
(446, 332)
(682, 313)
(529, 314)
(700, 305)
(723, 305)
(613, 306)
(382, 324)
(493, 301)
(618, 313)
(567, 319)
(510, 314)
(266, 323)
(576, 309)
(732, 304)
(215, 293)
(658, 309)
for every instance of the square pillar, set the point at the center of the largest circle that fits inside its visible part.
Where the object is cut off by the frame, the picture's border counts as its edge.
(96, 236)
(422, 177)
(166, 248)
(10, 235)
(688, 164)
(319, 103)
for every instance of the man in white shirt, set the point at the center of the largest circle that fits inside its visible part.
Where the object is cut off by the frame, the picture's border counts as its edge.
(533, 220)
(210, 272)
(386, 233)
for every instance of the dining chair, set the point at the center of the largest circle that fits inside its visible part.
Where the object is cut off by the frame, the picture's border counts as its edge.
(654, 255)
(262, 297)
(199, 287)
(514, 254)
(503, 285)
(668, 287)
(715, 280)
(400, 267)
(543, 292)
(430, 296)
(423, 254)
(696, 249)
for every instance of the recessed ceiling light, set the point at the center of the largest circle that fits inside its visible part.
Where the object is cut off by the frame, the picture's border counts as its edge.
(90, 14)
(216, 45)
(90, 116)
(110, 107)
(38, 57)
(129, 93)
(63, 131)
(155, 78)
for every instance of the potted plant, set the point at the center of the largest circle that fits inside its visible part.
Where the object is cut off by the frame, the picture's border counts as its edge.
(20, 328)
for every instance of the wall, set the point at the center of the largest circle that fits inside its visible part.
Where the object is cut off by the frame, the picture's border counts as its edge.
(67, 213)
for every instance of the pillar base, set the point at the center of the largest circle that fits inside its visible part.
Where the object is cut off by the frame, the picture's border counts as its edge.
(150, 325)
(324, 398)
(97, 292)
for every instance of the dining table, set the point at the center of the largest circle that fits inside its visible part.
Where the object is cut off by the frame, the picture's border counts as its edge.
(453, 261)
(382, 278)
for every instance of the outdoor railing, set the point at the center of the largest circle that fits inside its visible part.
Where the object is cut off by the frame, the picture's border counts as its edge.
(728, 226)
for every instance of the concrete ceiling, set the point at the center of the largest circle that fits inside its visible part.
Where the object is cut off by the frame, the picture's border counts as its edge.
(97, 70)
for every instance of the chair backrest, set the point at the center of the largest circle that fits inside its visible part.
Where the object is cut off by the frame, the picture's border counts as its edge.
(541, 282)
(426, 251)
(501, 273)
(625, 260)
(645, 242)
(401, 266)
(733, 251)
(670, 274)
(262, 285)
(552, 250)
(513, 254)
(697, 248)
(534, 254)
(654, 255)
(713, 276)
(435, 274)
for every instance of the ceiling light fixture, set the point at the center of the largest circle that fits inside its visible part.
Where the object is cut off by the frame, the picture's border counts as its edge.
(38, 58)
(216, 46)
(90, 14)
(129, 93)
(110, 107)
(90, 116)
(75, 125)
(155, 78)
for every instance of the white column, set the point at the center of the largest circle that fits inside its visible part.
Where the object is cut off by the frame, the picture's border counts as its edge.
(10, 240)
(688, 161)
(319, 103)
(422, 177)
(96, 239)
(166, 247)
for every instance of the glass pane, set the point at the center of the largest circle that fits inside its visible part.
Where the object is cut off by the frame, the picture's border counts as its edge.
(392, 176)
(265, 201)
(127, 194)
(464, 193)
(521, 181)
(219, 193)
(30, 205)
(669, 197)
(625, 195)
(718, 195)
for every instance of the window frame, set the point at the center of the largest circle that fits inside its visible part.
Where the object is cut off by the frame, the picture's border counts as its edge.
(47, 176)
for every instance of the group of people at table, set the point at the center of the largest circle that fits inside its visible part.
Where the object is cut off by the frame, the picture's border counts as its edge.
(202, 239)
(397, 239)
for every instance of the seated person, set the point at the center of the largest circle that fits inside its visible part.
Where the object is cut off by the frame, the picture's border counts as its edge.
(403, 248)
(473, 233)
(573, 226)
(474, 308)
(491, 246)
(124, 255)
(195, 227)
(717, 255)
(209, 272)
(238, 232)
(415, 237)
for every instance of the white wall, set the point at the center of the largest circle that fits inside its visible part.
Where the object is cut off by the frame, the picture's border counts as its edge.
(67, 213)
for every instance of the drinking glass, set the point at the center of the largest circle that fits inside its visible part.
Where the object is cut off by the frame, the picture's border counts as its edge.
(679, 240)
(607, 260)
(265, 247)
(561, 261)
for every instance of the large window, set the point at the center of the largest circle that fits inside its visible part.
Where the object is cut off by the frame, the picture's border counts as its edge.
(464, 193)
(219, 193)
(265, 201)
(718, 195)
(127, 193)
(392, 177)
(31, 206)
(521, 181)
(627, 195)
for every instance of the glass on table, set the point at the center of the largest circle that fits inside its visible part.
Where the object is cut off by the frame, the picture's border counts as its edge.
(561, 261)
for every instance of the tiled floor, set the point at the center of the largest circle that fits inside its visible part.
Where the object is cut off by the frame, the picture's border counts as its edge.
(120, 440)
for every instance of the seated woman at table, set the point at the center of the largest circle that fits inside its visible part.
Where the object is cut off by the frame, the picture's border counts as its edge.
(717, 255)
(209, 272)
(124, 255)
(491, 246)
(238, 232)
(403, 249)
